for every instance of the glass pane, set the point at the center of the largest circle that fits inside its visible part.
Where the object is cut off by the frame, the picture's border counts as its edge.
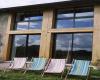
(82, 45)
(61, 45)
(36, 18)
(19, 46)
(64, 19)
(21, 17)
(35, 25)
(84, 22)
(33, 46)
(84, 14)
(65, 23)
(22, 26)
(28, 21)
(79, 17)
(65, 16)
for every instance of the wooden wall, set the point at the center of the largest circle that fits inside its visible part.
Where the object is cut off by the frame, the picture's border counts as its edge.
(3, 29)
(48, 30)
(96, 35)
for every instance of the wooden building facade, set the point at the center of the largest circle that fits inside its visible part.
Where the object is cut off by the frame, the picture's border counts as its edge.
(51, 30)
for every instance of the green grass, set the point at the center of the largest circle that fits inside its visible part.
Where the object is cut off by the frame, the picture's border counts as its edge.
(17, 75)
(95, 73)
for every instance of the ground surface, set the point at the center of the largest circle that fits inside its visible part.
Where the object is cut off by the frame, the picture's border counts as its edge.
(16, 75)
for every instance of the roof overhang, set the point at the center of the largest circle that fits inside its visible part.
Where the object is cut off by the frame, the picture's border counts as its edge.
(7, 5)
(19, 3)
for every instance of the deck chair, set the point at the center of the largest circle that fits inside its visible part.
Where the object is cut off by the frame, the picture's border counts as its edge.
(38, 64)
(79, 68)
(4, 65)
(17, 63)
(55, 66)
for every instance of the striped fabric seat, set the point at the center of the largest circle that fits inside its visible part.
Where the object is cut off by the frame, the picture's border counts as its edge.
(18, 63)
(4, 65)
(38, 63)
(80, 68)
(56, 66)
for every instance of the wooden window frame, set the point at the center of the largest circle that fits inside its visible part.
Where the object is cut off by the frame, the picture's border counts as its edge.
(46, 32)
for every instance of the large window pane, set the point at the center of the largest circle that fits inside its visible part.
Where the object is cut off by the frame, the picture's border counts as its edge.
(25, 46)
(64, 23)
(84, 22)
(84, 19)
(22, 26)
(19, 46)
(76, 18)
(28, 21)
(82, 45)
(61, 45)
(35, 25)
(64, 20)
(33, 46)
(35, 22)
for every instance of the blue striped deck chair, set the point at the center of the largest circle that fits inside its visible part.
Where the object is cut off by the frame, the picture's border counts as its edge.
(79, 68)
(38, 64)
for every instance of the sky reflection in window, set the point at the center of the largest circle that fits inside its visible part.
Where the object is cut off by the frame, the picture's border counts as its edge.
(78, 19)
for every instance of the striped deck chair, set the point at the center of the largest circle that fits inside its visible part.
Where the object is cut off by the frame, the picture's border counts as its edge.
(55, 66)
(4, 65)
(18, 63)
(79, 68)
(38, 64)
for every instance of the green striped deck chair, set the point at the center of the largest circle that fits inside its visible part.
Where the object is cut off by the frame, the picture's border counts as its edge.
(79, 68)
(38, 63)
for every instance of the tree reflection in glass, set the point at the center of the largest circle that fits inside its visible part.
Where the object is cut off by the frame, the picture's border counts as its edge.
(62, 45)
(80, 48)
(33, 46)
(82, 45)
(25, 46)
(19, 46)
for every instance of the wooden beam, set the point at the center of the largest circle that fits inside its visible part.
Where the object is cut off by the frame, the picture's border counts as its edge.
(46, 39)
(71, 30)
(51, 22)
(8, 39)
(43, 34)
(25, 32)
(96, 35)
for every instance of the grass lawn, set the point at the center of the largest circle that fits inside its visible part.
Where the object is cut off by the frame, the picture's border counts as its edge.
(16, 75)
(95, 73)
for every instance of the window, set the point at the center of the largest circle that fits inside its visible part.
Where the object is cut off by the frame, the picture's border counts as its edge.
(84, 18)
(65, 19)
(61, 45)
(33, 46)
(80, 46)
(19, 46)
(28, 21)
(26, 46)
(76, 18)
